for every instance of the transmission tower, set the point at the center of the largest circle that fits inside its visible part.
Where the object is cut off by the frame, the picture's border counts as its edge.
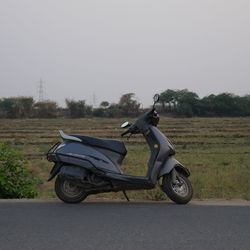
(41, 90)
(94, 100)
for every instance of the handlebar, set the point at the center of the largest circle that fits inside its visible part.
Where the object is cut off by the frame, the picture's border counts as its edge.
(150, 117)
(129, 130)
(133, 130)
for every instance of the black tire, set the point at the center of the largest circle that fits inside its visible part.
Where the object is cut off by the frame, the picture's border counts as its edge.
(69, 192)
(179, 193)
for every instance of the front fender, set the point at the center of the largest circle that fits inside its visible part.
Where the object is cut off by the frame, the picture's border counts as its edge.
(173, 163)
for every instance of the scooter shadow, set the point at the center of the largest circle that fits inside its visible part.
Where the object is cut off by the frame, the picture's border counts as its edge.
(123, 203)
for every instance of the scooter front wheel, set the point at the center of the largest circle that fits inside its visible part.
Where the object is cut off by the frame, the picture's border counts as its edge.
(68, 191)
(180, 191)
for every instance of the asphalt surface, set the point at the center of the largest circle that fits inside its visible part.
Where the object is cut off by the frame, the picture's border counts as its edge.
(122, 225)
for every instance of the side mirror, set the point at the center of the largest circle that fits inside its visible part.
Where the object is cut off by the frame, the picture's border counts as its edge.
(125, 125)
(156, 98)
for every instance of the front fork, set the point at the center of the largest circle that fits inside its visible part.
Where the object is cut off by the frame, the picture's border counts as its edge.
(174, 176)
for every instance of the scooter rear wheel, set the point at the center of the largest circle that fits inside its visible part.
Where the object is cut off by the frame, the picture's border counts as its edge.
(68, 191)
(180, 192)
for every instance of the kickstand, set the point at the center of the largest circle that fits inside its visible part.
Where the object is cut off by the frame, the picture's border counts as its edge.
(124, 192)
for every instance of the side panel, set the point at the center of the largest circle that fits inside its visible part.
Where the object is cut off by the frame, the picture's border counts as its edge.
(113, 156)
(173, 163)
(72, 152)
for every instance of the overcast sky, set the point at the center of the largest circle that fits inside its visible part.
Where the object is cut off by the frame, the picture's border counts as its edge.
(111, 47)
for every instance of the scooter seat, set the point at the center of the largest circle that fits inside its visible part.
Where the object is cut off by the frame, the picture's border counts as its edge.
(113, 145)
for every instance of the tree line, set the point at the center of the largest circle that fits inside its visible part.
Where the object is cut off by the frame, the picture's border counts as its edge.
(187, 103)
(178, 103)
(26, 107)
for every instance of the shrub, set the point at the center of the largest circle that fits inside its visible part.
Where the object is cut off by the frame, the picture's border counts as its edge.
(15, 180)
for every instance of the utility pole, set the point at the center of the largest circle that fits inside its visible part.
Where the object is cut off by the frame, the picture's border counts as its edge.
(41, 90)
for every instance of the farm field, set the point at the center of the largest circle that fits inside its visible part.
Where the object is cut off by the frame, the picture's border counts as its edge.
(216, 150)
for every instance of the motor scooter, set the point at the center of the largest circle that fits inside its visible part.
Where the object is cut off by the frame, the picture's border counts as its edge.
(88, 165)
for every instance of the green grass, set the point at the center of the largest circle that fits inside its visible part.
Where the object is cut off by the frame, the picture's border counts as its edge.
(216, 150)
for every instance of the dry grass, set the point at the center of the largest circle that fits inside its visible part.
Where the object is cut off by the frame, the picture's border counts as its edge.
(216, 150)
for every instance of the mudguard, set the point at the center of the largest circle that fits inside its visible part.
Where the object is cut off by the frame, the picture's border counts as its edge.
(173, 163)
(55, 170)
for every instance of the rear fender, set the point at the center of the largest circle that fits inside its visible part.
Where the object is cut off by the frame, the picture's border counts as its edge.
(171, 164)
(55, 170)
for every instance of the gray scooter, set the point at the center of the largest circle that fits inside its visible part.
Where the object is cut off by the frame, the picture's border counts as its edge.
(87, 165)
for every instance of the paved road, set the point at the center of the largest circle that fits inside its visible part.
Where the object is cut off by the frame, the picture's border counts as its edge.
(121, 225)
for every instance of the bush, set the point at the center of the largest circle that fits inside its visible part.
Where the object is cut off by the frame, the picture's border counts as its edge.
(99, 112)
(15, 180)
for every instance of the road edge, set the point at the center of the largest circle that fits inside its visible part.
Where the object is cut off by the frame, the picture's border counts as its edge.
(207, 202)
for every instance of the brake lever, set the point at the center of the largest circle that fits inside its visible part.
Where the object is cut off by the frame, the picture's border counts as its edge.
(128, 137)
